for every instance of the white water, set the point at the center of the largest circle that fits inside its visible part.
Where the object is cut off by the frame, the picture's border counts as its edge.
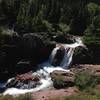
(46, 68)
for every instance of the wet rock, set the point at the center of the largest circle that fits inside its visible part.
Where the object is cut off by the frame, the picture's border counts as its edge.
(24, 81)
(58, 56)
(62, 79)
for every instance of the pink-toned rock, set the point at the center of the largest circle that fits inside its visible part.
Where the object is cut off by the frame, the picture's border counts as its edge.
(92, 69)
(27, 77)
(50, 94)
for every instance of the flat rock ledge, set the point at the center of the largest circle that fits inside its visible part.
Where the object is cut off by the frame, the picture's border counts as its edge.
(50, 94)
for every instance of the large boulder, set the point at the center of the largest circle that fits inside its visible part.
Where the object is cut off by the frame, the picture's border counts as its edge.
(62, 79)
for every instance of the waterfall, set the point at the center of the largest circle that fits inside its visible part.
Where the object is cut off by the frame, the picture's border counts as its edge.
(46, 68)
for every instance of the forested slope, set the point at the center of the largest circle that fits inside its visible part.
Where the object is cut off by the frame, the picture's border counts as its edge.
(68, 16)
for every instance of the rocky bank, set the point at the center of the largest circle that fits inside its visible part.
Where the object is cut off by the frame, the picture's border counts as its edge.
(67, 77)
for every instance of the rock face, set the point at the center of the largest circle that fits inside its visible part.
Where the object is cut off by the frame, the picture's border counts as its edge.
(81, 55)
(87, 56)
(62, 79)
(24, 81)
(59, 56)
(94, 49)
(15, 49)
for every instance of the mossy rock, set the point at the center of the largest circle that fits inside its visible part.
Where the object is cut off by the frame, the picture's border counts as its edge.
(62, 79)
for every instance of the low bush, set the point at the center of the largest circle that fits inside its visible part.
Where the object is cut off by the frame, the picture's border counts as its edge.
(21, 97)
(59, 82)
(90, 40)
(25, 97)
(85, 80)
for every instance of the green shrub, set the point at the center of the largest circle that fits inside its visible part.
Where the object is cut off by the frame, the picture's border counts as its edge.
(85, 80)
(58, 82)
(78, 97)
(91, 40)
(25, 97)
(64, 27)
(7, 97)
(21, 97)
(93, 9)
(82, 80)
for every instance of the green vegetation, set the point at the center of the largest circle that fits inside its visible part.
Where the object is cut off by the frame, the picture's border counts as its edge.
(7, 97)
(49, 18)
(21, 97)
(70, 17)
(88, 40)
(25, 97)
(85, 80)
(59, 82)
(49, 15)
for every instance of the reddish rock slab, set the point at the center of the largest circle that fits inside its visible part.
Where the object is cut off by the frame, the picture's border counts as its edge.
(27, 77)
(24, 81)
(93, 69)
(49, 94)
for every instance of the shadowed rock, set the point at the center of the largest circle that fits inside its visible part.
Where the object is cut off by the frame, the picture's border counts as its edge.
(58, 56)
(27, 48)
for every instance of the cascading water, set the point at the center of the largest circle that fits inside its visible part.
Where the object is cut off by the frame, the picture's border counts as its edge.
(46, 68)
